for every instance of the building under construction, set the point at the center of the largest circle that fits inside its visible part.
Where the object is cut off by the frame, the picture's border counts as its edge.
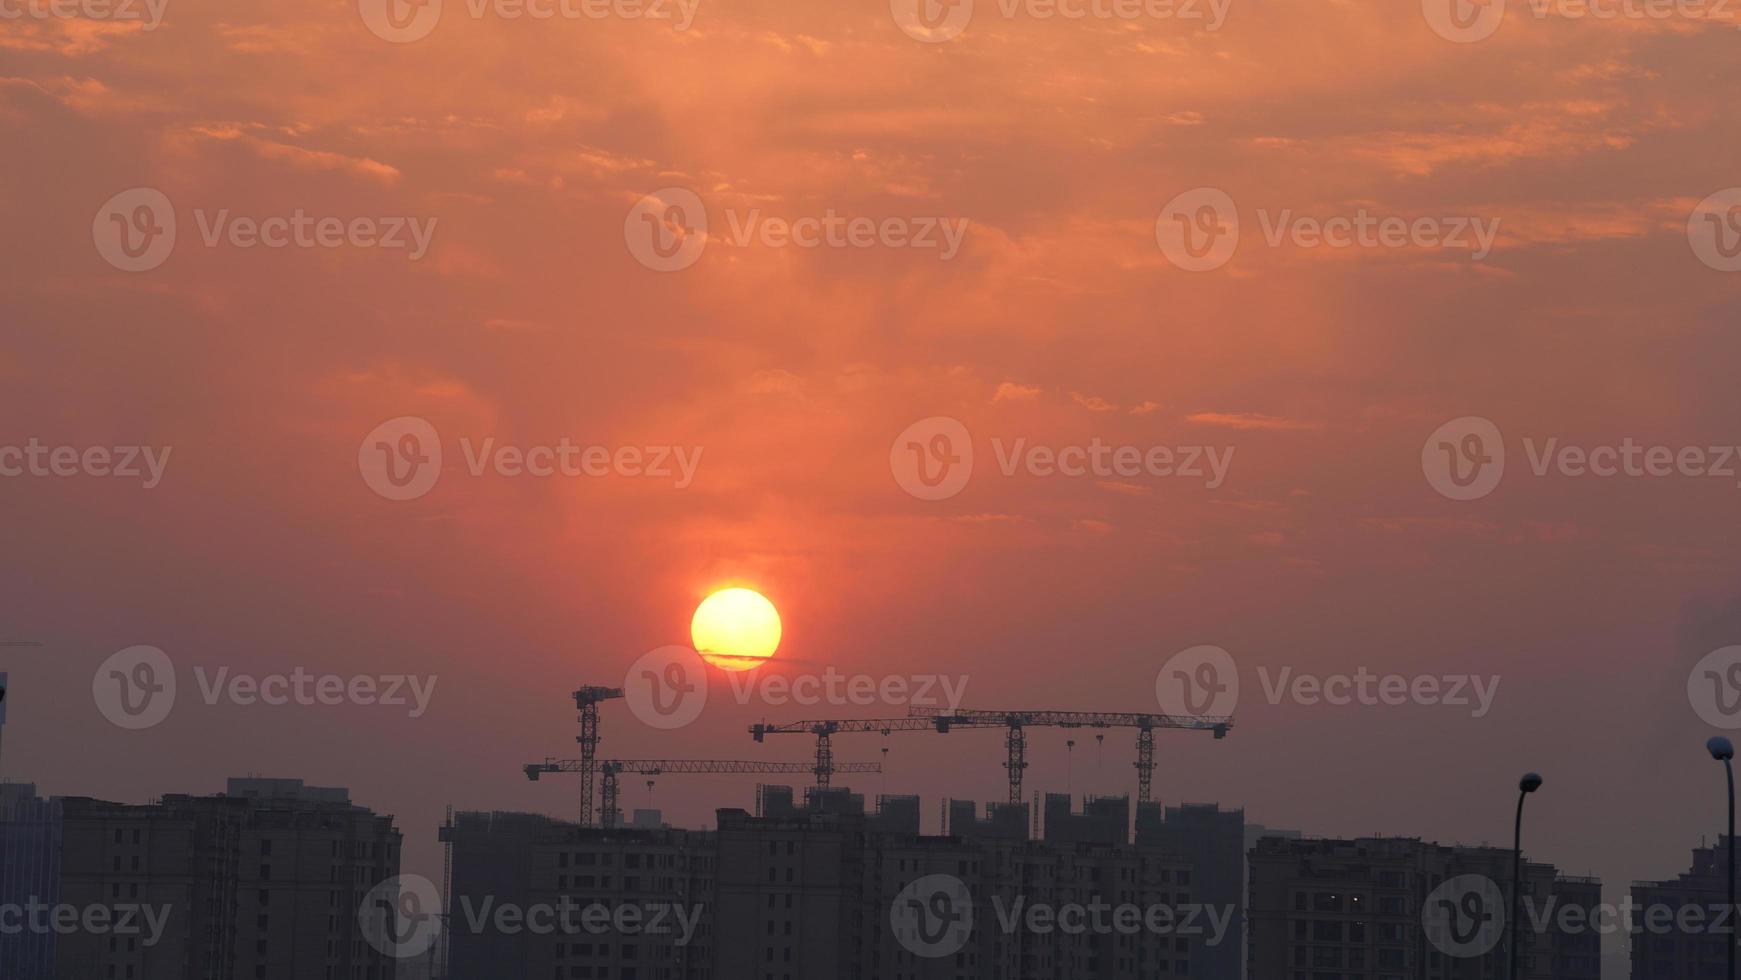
(804, 888)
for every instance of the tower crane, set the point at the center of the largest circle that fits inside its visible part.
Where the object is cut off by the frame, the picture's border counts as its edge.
(1017, 722)
(587, 701)
(825, 730)
(610, 769)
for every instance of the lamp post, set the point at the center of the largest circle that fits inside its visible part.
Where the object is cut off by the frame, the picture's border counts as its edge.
(1525, 786)
(1723, 751)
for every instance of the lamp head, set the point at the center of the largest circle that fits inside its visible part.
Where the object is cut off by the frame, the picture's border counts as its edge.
(1530, 782)
(1720, 748)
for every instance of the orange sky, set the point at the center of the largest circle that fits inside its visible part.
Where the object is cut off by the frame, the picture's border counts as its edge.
(1059, 321)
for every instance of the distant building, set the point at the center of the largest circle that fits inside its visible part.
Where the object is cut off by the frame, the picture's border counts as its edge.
(801, 893)
(262, 883)
(30, 844)
(1672, 953)
(1004, 821)
(1354, 908)
(811, 894)
(1103, 820)
(788, 890)
(612, 898)
(1212, 842)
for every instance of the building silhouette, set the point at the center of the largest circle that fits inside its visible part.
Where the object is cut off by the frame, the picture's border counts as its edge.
(263, 882)
(507, 868)
(30, 847)
(1355, 908)
(1213, 843)
(809, 892)
(1661, 952)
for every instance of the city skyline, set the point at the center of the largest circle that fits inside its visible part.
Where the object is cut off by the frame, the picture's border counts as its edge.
(1321, 411)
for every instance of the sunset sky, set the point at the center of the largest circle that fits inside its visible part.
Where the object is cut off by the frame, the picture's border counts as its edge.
(792, 371)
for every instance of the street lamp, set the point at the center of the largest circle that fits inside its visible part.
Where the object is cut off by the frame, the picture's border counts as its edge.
(1724, 752)
(1525, 786)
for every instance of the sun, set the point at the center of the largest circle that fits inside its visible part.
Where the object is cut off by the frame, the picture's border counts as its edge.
(735, 629)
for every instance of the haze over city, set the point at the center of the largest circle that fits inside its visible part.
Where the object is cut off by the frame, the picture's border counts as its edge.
(452, 360)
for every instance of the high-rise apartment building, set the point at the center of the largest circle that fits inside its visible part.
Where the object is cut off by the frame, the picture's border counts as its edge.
(261, 883)
(1361, 909)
